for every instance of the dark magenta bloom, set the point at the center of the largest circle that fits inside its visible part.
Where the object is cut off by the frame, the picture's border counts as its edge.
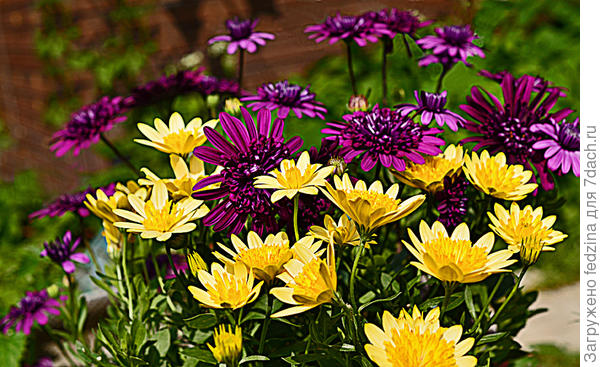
(286, 97)
(241, 35)
(330, 148)
(507, 126)
(35, 306)
(452, 202)
(538, 84)
(398, 22)
(70, 203)
(430, 106)
(87, 124)
(560, 143)
(383, 135)
(361, 29)
(62, 252)
(451, 45)
(254, 150)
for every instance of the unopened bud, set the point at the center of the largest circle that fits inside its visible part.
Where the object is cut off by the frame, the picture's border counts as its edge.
(232, 106)
(358, 103)
(339, 163)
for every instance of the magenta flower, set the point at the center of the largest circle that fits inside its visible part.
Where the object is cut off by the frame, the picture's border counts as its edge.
(383, 135)
(430, 106)
(451, 45)
(398, 22)
(241, 35)
(62, 252)
(452, 202)
(35, 306)
(361, 29)
(254, 150)
(286, 97)
(70, 203)
(538, 84)
(87, 124)
(560, 145)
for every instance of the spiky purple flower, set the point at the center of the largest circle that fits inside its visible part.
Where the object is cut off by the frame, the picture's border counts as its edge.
(361, 29)
(241, 35)
(62, 252)
(452, 202)
(87, 124)
(431, 107)
(560, 145)
(538, 85)
(254, 150)
(398, 22)
(383, 135)
(286, 97)
(70, 203)
(451, 45)
(35, 306)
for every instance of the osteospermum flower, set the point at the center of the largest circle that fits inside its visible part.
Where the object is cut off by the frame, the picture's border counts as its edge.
(309, 281)
(452, 202)
(293, 178)
(430, 175)
(343, 232)
(264, 258)
(177, 138)
(254, 150)
(360, 29)
(242, 35)
(539, 84)
(228, 345)
(35, 306)
(87, 124)
(385, 136)
(492, 176)
(560, 145)
(159, 217)
(196, 263)
(455, 258)
(417, 341)
(230, 287)
(370, 207)
(62, 252)
(286, 97)
(430, 106)
(73, 203)
(399, 22)
(451, 45)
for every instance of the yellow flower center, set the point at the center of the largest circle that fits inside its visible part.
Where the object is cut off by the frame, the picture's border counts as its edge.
(309, 283)
(179, 143)
(163, 219)
(434, 169)
(377, 200)
(419, 348)
(264, 256)
(293, 177)
(462, 253)
(497, 178)
(228, 290)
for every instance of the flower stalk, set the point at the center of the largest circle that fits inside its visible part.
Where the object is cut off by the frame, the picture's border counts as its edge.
(350, 68)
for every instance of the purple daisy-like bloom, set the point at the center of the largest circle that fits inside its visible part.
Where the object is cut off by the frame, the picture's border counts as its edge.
(33, 307)
(254, 150)
(384, 135)
(538, 85)
(330, 148)
(70, 203)
(560, 145)
(452, 202)
(286, 97)
(398, 22)
(451, 45)
(87, 124)
(62, 252)
(431, 107)
(241, 35)
(361, 29)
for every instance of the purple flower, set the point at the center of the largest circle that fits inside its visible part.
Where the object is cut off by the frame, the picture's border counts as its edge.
(506, 126)
(452, 202)
(70, 203)
(87, 124)
(254, 150)
(33, 307)
(62, 252)
(561, 145)
(329, 149)
(451, 45)
(285, 97)
(361, 29)
(383, 135)
(242, 35)
(398, 22)
(538, 84)
(42, 362)
(180, 262)
(431, 106)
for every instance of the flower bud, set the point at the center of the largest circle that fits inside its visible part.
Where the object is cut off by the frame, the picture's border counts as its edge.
(358, 103)
(232, 106)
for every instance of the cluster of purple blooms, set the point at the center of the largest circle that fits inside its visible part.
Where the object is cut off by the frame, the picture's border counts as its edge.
(35, 306)
(72, 203)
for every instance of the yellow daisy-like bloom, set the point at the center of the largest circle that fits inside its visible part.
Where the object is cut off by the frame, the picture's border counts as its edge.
(228, 345)
(430, 175)
(293, 178)
(370, 207)
(264, 258)
(102, 205)
(455, 258)
(492, 176)
(196, 263)
(113, 238)
(231, 286)
(159, 217)
(176, 138)
(414, 341)
(525, 230)
(309, 280)
(343, 232)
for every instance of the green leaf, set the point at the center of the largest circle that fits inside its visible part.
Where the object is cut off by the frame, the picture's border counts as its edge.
(163, 341)
(386, 279)
(469, 302)
(11, 349)
(391, 298)
(490, 338)
(366, 297)
(254, 358)
(203, 355)
(202, 321)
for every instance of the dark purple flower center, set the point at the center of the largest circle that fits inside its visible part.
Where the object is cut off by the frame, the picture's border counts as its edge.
(568, 136)
(33, 302)
(457, 35)
(58, 250)
(434, 102)
(515, 135)
(342, 24)
(239, 29)
(286, 94)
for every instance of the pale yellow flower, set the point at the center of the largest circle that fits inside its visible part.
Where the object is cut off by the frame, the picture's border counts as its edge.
(228, 345)
(114, 238)
(102, 205)
(414, 341)
(196, 263)
(343, 232)
(308, 242)
(492, 176)
(232, 106)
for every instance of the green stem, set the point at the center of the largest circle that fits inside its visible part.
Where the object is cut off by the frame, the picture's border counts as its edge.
(127, 283)
(296, 205)
(58, 344)
(445, 70)
(72, 306)
(487, 304)
(350, 319)
(408, 51)
(351, 69)
(119, 155)
(448, 289)
(265, 327)
(240, 71)
(384, 87)
(160, 280)
(172, 265)
(353, 274)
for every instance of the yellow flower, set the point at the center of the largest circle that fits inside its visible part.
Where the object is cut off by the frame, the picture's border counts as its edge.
(430, 175)
(228, 345)
(310, 243)
(232, 106)
(159, 217)
(525, 231)
(177, 137)
(414, 341)
(264, 259)
(341, 233)
(229, 287)
(291, 178)
(455, 258)
(102, 205)
(494, 177)
(370, 208)
(309, 280)
(196, 263)
(113, 238)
